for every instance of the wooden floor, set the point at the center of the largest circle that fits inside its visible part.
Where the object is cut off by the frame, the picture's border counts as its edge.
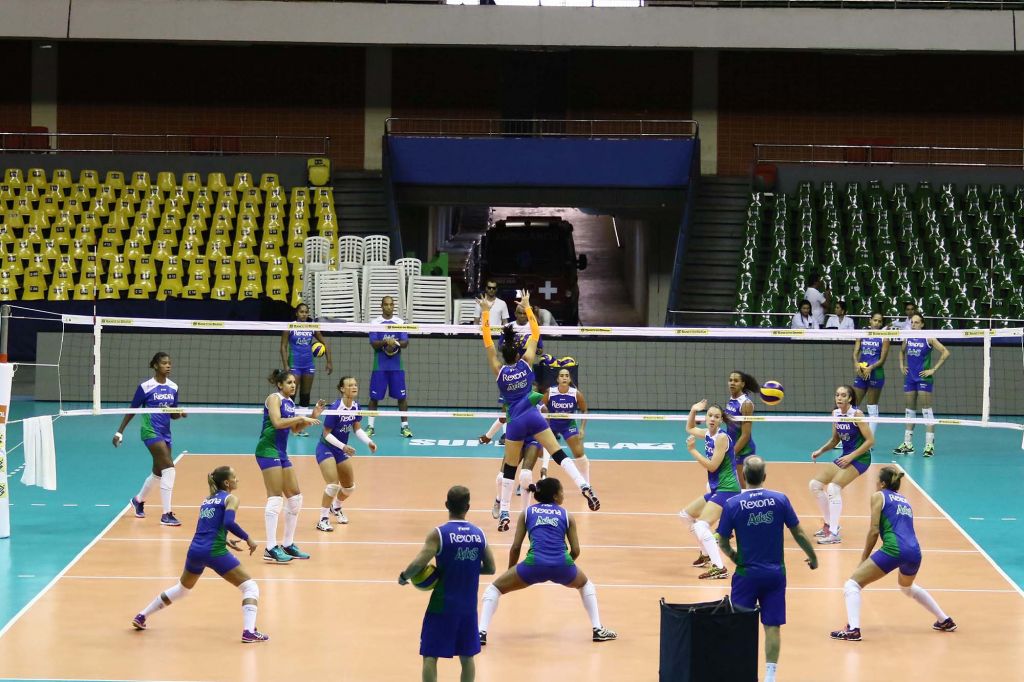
(342, 616)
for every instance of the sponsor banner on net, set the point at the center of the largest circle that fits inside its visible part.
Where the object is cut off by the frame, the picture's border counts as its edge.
(591, 445)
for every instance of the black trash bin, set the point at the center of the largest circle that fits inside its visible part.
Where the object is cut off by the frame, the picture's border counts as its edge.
(708, 642)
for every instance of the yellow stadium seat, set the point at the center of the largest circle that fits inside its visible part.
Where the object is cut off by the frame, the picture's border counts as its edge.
(228, 194)
(152, 206)
(54, 190)
(139, 291)
(277, 270)
(195, 221)
(62, 177)
(145, 278)
(273, 221)
(166, 181)
(108, 292)
(171, 289)
(7, 194)
(242, 250)
(50, 205)
(323, 208)
(131, 194)
(268, 181)
(181, 194)
(79, 250)
(277, 292)
(114, 179)
(297, 223)
(141, 235)
(39, 262)
(318, 170)
(8, 279)
(66, 262)
(188, 251)
(117, 279)
(57, 292)
(7, 293)
(30, 192)
(64, 278)
(74, 206)
(113, 234)
(269, 250)
(33, 287)
(250, 207)
(243, 181)
(50, 250)
(36, 177)
(161, 251)
(13, 264)
(191, 182)
(32, 234)
(132, 250)
(23, 249)
(299, 194)
(217, 249)
(98, 206)
(107, 249)
(175, 207)
(23, 206)
(194, 235)
(169, 229)
(199, 278)
(247, 221)
(124, 206)
(250, 291)
(204, 194)
(89, 178)
(327, 226)
(15, 178)
(221, 294)
(277, 195)
(85, 292)
(108, 193)
(324, 194)
(118, 220)
(216, 182)
(80, 192)
(252, 194)
(144, 220)
(92, 266)
(224, 275)
(6, 234)
(225, 208)
(140, 180)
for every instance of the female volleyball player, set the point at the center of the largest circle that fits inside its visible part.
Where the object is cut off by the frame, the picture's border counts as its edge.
(857, 441)
(278, 476)
(892, 518)
(333, 453)
(297, 355)
(741, 385)
(159, 391)
(209, 549)
(549, 526)
(719, 459)
(919, 384)
(515, 380)
(869, 355)
(564, 398)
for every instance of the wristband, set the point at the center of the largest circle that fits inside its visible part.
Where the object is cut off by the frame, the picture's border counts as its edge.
(361, 435)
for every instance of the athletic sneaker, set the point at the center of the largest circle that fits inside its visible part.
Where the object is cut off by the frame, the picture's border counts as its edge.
(945, 626)
(591, 496)
(847, 634)
(484, 440)
(501, 441)
(903, 449)
(339, 514)
(496, 509)
(823, 533)
(483, 638)
(294, 552)
(702, 561)
(604, 635)
(169, 519)
(503, 522)
(276, 555)
(519, 491)
(543, 473)
(139, 507)
(830, 539)
(929, 450)
(370, 431)
(254, 636)
(302, 434)
(714, 573)
(406, 433)
(325, 525)
(139, 623)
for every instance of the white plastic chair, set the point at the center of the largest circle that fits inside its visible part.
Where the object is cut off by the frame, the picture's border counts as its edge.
(381, 280)
(430, 300)
(316, 257)
(350, 249)
(464, 311)
(337, 296)
(377, 249)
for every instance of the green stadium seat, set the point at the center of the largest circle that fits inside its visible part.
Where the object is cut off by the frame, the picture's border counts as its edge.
(972, 200)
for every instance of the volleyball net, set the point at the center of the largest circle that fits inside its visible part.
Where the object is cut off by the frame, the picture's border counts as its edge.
(92, 365)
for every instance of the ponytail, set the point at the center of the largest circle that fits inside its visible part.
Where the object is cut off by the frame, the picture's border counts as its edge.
(544, 491)
(217, 477)
(891, 477)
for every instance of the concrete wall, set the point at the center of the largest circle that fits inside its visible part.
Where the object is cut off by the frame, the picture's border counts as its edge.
(618, 376)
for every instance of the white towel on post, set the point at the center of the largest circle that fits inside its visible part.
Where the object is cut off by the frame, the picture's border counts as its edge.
(40, 453)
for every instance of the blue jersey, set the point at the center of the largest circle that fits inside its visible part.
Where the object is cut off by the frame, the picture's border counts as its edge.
(152, 393)
(919, 358)
(562, 403)
(849, 433)
(724, 478)
(515, 383)
(211, 536)
(274, 442)
(734, 408)
(382, 359)
(896, 525)
(458, 563)
(870, 349)
(547, 525)
(300, 348)
(340, 425)
(756, 516)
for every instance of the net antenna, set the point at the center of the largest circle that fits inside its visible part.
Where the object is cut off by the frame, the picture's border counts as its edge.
(6, 382)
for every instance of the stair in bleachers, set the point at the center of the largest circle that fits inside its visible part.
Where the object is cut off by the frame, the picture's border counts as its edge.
(713, 250)
(361, 201)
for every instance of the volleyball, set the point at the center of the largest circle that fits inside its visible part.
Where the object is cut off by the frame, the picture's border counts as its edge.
(772, 393)
(426, 579)
(318, 349)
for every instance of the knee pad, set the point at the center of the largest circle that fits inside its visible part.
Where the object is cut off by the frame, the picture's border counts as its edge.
(817, 487)
(850, 587)
(294, 503)
(250, 590)
(833, 490)
(907, 590)
(275, 504)
(525, 477)
(167, 478)
(176, 593)
(332, 489)
(348, 491)
(558, 456)
(928, 413)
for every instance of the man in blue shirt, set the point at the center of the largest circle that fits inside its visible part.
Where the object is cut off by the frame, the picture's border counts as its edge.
(461, 554)
(388, 375)
(757, 516)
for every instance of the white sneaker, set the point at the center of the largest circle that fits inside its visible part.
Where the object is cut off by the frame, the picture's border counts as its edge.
(339, 514)
(496, 509)
(325, 525)
(830, 539)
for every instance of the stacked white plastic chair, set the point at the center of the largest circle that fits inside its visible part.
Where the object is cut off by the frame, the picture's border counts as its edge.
(430, 300)
(376, 249)
(380, 280)
(316, 258)
(337, 296)
(411, 267)
(350, 258)
(464, 311)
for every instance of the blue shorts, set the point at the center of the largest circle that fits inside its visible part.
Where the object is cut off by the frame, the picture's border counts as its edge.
(861, 467)
(384, 382)
(158, 439)
(565, 428)
(864, 384)
(909, 563)
(767, 590)
(533, 574)
(271, 462)
(324, 452)
(922, 385)
(445, 635)
(526, 425)
(719, 498)
(740, 458)
(299, 371)
(197, 562)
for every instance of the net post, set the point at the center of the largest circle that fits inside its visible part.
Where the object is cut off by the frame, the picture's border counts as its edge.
(986, 377)
(97, 328)
(6, 379)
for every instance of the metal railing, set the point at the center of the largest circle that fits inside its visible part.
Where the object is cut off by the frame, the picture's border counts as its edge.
(888, 155)
(1005, 5)
(726, 318)
(137, 143)
(495, 127)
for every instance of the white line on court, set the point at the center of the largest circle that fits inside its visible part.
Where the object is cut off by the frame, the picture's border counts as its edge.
(626, 586)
